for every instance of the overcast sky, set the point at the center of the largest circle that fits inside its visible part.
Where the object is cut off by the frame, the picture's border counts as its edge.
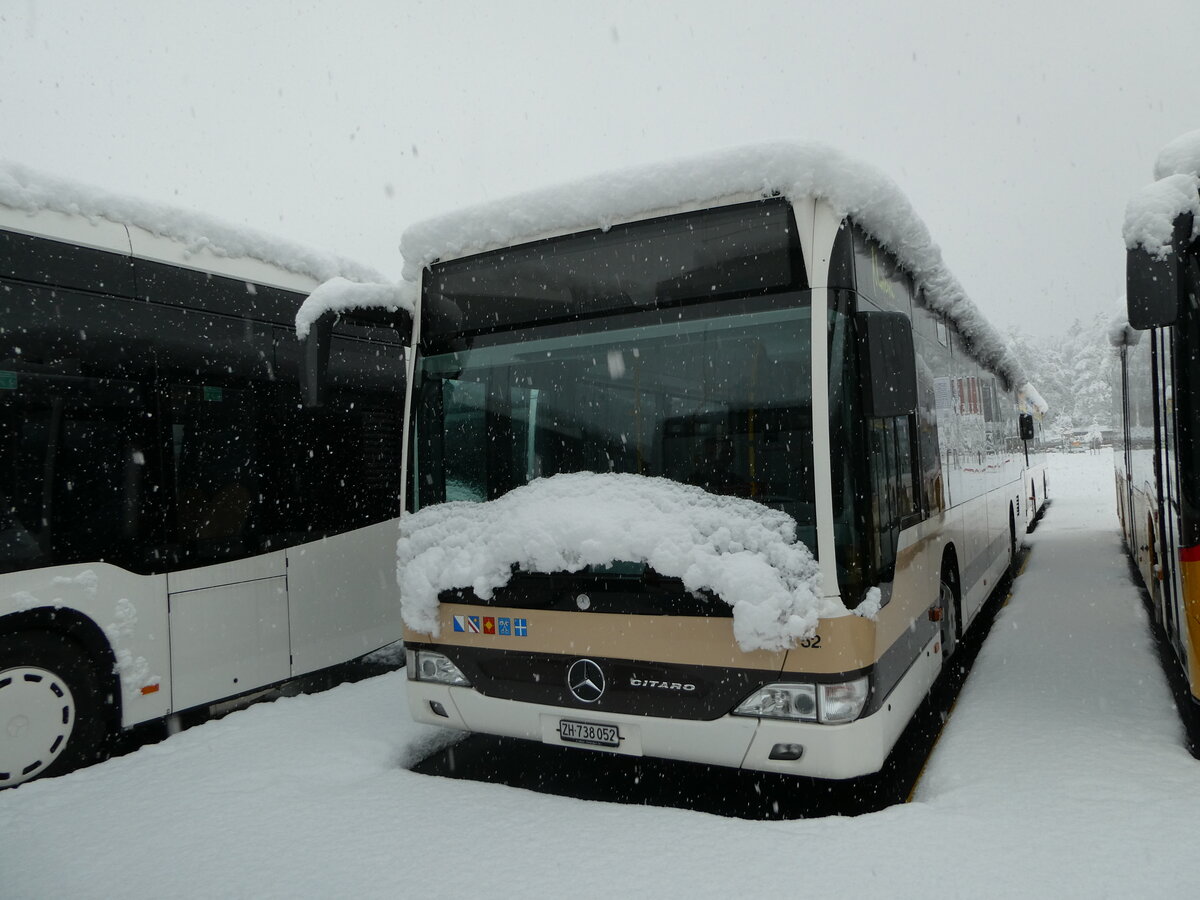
(1018, 130)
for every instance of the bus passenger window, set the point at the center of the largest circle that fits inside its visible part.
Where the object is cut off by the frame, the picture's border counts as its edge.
(73, 484)
(213, 453)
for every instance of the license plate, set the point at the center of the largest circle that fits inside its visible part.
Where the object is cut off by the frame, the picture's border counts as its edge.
(589, 733)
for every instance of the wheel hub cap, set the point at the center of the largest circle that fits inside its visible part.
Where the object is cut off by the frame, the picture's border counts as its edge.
(37, 713)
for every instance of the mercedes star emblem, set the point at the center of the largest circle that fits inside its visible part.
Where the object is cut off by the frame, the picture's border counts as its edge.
(586, 681)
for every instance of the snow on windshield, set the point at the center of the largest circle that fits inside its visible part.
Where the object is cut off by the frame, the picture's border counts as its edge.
(339, 295)
(745, 553)
(27, 189)
(792, 169)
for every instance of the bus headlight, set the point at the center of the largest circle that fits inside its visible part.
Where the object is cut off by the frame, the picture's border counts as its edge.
(425, 665)
(830, 704)
(781, 701)
(844, 702)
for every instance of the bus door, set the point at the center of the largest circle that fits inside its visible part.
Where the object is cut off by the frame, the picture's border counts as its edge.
(1125, 422)
(1166, 549)
(1174, 614)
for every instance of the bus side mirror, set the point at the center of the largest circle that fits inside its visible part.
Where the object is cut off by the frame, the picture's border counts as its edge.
(1025, 421)
(314, 362)
(889, 364)
(1154, 287)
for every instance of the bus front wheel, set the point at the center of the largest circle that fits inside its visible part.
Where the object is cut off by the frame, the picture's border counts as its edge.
(51, 711)
(948, 601)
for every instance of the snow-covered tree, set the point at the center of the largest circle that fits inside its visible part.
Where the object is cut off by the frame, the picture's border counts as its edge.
(1071, 372)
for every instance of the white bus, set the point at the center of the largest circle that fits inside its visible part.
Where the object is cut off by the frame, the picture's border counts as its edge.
(177, 526)
(773, 323)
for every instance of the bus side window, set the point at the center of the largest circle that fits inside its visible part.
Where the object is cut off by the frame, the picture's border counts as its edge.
(893, 488)
(336, 467)
(215, 463)
(74, 481)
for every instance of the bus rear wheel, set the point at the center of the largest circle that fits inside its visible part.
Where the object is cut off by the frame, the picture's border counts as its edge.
(51, 713)
(948, 602)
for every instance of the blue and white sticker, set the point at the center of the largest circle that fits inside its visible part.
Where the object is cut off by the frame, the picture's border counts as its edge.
(504, 625)
(460, 623)
(521, 627)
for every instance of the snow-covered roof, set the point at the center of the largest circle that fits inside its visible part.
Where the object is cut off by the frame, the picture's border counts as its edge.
(792, 169)
(744, 552)
(339, 295)
(1179, 157)
(205, 242)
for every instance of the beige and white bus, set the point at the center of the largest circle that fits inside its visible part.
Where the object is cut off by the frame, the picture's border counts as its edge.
(788, 334)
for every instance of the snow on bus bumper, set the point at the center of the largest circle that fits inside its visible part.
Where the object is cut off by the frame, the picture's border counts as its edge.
(826, 751)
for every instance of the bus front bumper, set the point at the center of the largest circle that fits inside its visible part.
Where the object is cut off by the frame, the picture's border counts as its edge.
(827, 751)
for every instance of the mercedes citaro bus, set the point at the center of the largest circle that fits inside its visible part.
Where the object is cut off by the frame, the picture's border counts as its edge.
(788, 334)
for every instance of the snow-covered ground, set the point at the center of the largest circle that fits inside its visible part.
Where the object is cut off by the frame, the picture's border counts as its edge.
(1060, 774)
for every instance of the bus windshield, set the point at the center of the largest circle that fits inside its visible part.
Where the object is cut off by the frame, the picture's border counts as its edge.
(720, 399)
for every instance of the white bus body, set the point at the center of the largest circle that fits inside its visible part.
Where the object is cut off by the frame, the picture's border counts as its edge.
(177, 529)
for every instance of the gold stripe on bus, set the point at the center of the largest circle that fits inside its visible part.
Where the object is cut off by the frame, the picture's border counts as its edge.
(841, 644)
(916, 586)
(1189, 576)
(852, 642)
(845, 643)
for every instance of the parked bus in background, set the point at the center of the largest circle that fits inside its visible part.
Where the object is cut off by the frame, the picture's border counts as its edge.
(773, 323)
(176, 526)
(1156, 389)
(1033, 452)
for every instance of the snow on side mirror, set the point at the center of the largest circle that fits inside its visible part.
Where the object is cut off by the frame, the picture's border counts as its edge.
(1155, 285)
(888, 364)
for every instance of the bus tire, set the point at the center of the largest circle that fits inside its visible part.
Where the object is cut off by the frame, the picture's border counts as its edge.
(950, 603)
(52, 709)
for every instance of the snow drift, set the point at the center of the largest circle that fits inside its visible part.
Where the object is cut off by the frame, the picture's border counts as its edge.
(744, 552)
